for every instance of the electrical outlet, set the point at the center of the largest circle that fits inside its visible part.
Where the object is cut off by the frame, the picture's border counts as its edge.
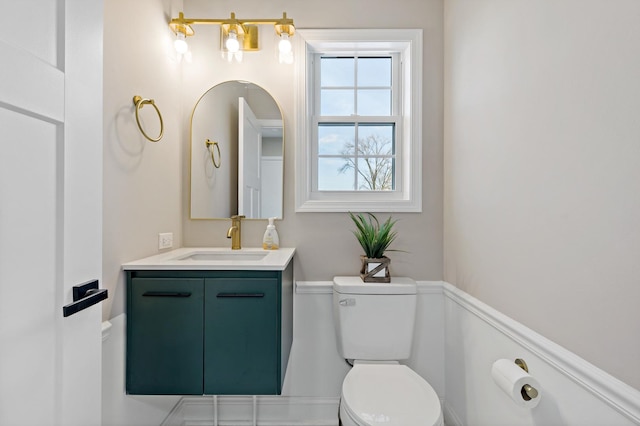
(165, 240)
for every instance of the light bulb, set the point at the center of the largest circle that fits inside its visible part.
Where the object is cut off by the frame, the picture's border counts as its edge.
(180, 43)
(232, 43)
(284, 45)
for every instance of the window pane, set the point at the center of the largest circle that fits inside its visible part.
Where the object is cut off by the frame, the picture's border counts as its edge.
(337, 72)
(335, 175)
(376, 139)
(336, 139)
(374, 72)
(375, 174)
(336, 102)
(374, 102)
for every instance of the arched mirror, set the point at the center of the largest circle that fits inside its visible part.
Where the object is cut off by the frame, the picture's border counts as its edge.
(237, 148)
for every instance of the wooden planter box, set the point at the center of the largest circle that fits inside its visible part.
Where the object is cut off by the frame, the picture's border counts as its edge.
(375, 270)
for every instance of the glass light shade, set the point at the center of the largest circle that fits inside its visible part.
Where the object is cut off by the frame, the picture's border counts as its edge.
(284, 45)
(180, 43)
(285, 58)
(231, 56)
(232, 44)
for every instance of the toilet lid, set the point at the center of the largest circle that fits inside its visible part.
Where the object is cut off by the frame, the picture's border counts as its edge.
(390, 395)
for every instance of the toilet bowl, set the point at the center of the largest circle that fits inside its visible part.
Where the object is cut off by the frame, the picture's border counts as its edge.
(374, 327)
(388, 394)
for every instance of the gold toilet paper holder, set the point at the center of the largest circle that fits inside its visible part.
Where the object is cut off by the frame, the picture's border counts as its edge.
(528, 392)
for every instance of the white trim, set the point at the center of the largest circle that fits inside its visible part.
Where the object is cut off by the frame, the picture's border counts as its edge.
(620, 396)
(314, 287)
(106, 330)
(326, 287)
(429, 287)
(411, 197)
(271, 411)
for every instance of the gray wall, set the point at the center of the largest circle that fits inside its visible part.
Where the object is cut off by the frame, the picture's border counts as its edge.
(142, 180)
(542, 184)
(324, 243)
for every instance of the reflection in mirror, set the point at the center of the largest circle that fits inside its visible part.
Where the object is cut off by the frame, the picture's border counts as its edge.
(237, 148)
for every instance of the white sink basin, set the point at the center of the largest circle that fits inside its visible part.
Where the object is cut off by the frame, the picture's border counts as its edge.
(215, 256)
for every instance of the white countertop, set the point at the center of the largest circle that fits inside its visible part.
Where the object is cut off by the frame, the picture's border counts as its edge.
(187, 258)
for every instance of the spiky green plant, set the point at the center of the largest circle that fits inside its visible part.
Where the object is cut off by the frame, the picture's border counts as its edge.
(374, 237)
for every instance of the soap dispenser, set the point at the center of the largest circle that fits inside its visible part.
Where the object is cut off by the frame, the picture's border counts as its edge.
(270, 241)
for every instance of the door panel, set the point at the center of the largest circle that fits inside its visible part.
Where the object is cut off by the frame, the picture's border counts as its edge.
(164, 349)
(30, 85)
(28, 180)
(38, 34)
(50, 210)
(241, 344)
(272, 184)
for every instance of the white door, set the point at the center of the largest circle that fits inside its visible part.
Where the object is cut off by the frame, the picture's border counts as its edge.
(50, 210)
(272, 185)
(249, 154)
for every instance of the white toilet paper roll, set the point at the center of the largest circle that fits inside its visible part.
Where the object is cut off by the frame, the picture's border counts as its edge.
(511, 379)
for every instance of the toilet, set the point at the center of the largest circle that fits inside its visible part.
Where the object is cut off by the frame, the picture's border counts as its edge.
(374, 329)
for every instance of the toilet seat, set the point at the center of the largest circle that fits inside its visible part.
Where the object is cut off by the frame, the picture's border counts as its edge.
(390, 395)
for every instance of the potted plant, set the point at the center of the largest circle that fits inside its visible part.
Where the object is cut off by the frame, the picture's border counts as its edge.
(375, 238)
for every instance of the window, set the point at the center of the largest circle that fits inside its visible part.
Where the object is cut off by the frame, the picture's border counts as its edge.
(358, 141)
(355, 122)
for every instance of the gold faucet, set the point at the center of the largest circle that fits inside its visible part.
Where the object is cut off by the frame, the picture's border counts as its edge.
(235, 232)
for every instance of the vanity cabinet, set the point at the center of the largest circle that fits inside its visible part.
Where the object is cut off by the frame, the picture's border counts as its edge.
(208, 332)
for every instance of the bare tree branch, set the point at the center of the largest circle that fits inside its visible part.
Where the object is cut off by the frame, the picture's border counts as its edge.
(376, 151)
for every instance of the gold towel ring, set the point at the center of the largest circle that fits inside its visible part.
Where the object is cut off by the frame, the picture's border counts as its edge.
(139, 103)
(208, 143)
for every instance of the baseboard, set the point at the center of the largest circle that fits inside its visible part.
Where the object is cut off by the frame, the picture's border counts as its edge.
(450, 416)
(239, 411)
(106, 330)
(618, 395)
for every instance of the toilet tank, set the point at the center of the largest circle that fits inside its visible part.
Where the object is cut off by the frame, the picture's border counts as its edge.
(374, 321)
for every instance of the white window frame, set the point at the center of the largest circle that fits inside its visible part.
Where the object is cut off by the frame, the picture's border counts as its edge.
(407, 197)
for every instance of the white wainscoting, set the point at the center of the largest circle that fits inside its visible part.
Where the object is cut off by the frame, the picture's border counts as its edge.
(573, 391)
(457, 339)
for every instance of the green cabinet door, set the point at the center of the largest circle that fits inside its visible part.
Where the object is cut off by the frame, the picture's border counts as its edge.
(164, 330)
(242, 336)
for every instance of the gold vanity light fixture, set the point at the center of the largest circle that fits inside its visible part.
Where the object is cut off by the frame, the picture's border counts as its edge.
(237, 35)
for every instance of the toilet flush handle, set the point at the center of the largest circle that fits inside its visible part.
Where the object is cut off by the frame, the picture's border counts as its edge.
(347, 302)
